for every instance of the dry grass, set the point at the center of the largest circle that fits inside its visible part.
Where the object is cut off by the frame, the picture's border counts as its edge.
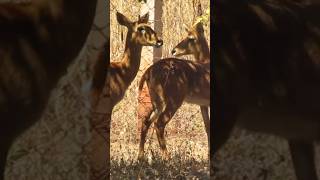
(248, 155)
(186, 141)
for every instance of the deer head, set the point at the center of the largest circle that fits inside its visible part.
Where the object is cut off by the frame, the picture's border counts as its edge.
(140, 32)
(192, 43)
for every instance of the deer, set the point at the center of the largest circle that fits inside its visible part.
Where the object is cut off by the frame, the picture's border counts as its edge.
(171, 81)
(110, 81)
(120, 74)
(267, 75)
(39, 39)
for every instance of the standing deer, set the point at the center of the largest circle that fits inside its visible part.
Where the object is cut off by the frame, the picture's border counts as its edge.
(116, 78)
(171, 81)
(267, 75)
(121, 74)
(39, 39)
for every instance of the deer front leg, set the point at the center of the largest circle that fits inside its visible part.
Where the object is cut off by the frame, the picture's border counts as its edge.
(302, 154)
(206, 120)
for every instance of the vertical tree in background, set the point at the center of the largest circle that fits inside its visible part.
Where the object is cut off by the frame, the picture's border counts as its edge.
(157, 52)
(98, 148)
(154, 7)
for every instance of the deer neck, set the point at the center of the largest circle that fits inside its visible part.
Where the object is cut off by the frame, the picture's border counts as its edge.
(131, 60)
(203, 55)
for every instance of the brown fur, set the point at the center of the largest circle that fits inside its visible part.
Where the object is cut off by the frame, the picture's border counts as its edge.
(121, 74)
(38, 42)
(195, 43)
(171, 81)
(111, 83)
(267, 74)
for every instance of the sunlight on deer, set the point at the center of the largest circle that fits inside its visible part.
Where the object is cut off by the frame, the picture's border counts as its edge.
(172, 81)
(122, 73)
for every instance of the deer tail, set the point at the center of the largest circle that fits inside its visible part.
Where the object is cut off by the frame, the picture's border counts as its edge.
(144, 77)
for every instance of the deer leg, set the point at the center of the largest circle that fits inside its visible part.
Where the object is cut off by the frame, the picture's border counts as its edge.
(160, 124)
(145, 125)
(206, 120)
(302, 154)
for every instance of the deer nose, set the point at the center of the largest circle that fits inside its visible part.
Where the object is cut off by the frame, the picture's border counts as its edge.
(173, 52)
(159, 43)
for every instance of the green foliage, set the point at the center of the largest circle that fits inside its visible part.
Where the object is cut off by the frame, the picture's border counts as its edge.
(205, 18)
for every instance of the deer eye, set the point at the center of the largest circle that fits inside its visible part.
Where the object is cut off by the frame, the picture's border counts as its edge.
(192, 38)
(142, 29)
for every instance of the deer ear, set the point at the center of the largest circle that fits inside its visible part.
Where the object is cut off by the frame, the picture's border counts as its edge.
(144, 18)
(123, 20)
(186, 28)
(199, 27)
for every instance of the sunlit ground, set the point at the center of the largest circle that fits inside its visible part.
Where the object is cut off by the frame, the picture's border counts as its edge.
(186, 143)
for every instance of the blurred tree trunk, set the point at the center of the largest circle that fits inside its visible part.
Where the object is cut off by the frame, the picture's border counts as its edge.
(98, 148)
(157, 52)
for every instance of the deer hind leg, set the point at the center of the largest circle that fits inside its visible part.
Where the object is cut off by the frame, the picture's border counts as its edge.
(145, 125)
(160, 125)
(302, 154)
(152, 115)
